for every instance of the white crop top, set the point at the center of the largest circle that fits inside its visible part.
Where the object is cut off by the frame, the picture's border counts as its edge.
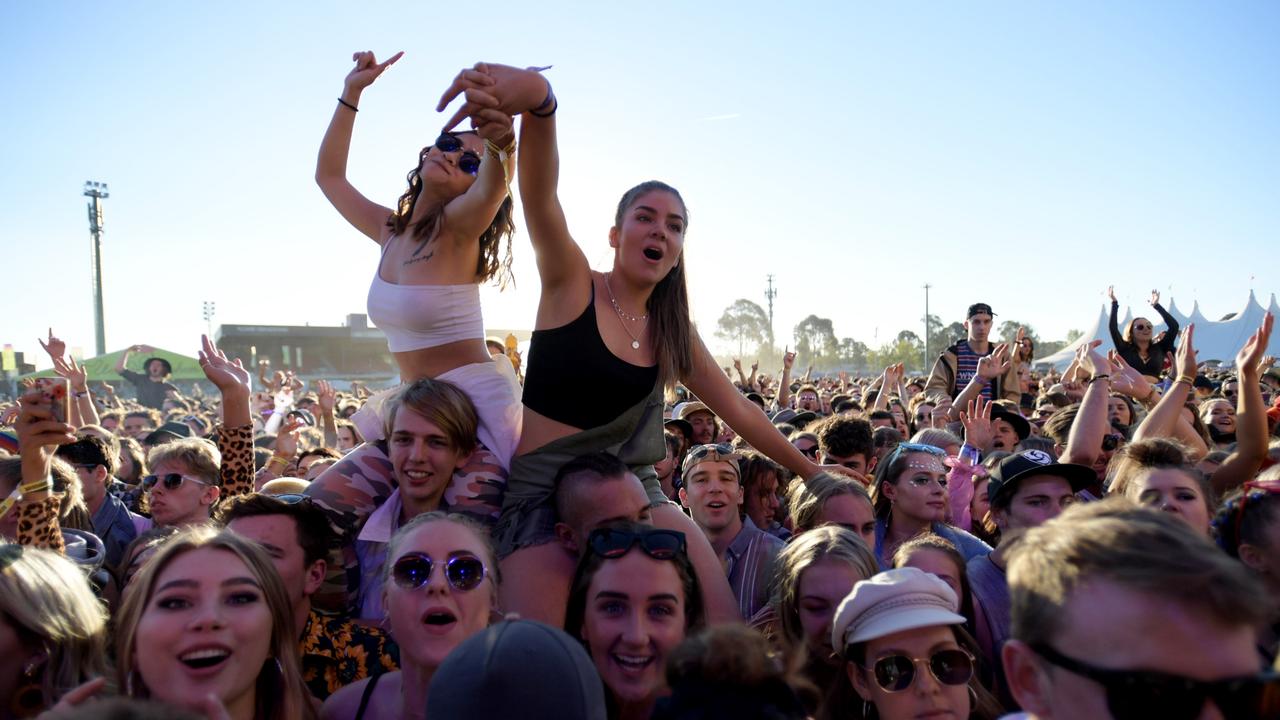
(415, 317)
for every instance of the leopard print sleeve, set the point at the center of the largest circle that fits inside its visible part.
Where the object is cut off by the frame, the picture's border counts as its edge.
(236, 446)
(38, 523)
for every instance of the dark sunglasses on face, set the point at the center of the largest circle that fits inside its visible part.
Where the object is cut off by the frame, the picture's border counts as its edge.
(1132, 695)
(1140, 326)
(468, 162)
(1111, 442)
(171, 481)
(657, 544)
(462, 572)
(809, 452)
(895, 673)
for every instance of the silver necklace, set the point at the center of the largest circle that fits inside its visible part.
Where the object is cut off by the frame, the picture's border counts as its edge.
(624, 316)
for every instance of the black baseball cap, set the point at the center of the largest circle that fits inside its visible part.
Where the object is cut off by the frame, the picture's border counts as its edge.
(1011, 470)
(1019, 423)
(978, 309)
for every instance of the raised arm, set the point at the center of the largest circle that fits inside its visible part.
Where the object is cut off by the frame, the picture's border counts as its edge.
(513, 91)
(1251, 414)
(784, 385)
(367, 216)
(1113, 324)
(83, 409)
(1171, 323)
(1085, 439)
(712, 387)
(1160, 422)
(235, 436)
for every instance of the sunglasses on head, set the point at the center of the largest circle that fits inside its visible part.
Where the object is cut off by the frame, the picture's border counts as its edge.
(468, 162)
(657, 544)
(895, 673)
(462, 572)
(1132, 695)
(915, 447)
(171, 481)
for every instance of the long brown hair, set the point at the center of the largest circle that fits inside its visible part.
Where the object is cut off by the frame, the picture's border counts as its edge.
(494, 260)
(670, 330)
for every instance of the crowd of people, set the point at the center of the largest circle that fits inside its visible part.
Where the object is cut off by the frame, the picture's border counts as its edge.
(620, 527)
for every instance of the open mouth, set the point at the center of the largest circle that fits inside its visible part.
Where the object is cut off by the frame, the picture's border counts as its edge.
(417, 475)
(204, 659)
(715, 505)
(653, 253)
(633, 663)
(440, 618)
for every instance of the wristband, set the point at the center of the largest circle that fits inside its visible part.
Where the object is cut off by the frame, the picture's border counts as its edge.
(44, 484)
(550, 101)
(348, 105)
(1095, 378)
(1188, 380)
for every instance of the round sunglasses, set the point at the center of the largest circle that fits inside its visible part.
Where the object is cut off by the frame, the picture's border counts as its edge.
(468, 161)
(463, 572)
(895, 673)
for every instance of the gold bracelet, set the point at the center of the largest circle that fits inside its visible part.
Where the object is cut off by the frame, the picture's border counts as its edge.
(1188, 380)
(276, 458)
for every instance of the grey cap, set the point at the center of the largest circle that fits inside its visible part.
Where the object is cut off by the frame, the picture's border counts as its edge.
(517, 668)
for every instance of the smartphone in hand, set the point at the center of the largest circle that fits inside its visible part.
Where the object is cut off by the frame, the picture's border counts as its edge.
(55, 392)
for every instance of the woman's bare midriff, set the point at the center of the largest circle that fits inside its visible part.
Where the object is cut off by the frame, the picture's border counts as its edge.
(436, 361)
(538, 430)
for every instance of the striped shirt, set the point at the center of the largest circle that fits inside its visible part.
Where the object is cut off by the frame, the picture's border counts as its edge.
(750, 559)
(967, 367)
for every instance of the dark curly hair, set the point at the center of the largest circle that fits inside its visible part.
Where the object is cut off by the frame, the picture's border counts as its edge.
(494, 261)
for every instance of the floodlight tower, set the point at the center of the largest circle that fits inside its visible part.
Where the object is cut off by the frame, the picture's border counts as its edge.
(97, 192)
(770, 294)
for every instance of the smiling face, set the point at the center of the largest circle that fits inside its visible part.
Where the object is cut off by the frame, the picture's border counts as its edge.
(430, 621)
(1219, 415)
(822, 586)
(423, 458)
(206, 629)
(713, 496)
(1140, 330)
(635, 617)
(1174, 491)
(650, 238)
(920, 492)
(926, 697)
(704, 427)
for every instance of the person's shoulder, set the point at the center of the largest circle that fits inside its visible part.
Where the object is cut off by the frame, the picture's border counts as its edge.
(969, 545)
(130, 375)
(343, 704)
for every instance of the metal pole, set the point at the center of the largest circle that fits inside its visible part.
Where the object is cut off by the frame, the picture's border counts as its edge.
(927, 350)
(770, 294)
(97, 192)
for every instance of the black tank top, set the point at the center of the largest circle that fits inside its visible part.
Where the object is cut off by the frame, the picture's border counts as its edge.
(573, 378)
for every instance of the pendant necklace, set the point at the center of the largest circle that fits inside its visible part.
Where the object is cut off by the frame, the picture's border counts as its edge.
(624, 316)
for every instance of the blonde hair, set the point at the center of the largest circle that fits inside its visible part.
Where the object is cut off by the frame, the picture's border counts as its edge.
(47, 600)
(828, 541)
(806, 498)
(291, 699)
(199, 455)
(489, 556)
(443, 404)
(1139, 549)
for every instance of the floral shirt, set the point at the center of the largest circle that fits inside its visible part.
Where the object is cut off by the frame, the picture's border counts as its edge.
(337, 652)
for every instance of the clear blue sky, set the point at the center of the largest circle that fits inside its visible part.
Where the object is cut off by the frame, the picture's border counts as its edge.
(1022, 154)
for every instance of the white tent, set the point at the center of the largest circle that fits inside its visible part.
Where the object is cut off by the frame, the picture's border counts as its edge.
(1213, 340)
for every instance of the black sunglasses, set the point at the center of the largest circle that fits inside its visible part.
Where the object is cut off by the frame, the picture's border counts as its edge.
(463, 572)
(1148, 694)
(657, 544)
(171, 481)
(468, 162)
(1111, 442)
(895, 673)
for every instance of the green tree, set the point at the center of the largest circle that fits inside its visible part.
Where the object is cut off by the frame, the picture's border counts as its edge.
(1074, 335)
(853, 353)
(745, 322)
(816, 340)
(1009, 331)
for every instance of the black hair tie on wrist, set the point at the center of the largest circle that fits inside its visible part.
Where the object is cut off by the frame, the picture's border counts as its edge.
(347, 104)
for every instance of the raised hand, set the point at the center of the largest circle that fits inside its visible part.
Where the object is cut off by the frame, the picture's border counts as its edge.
(106, 388)
(1155, 297)
(788, 358)
(287, 439)
(1091, 360)
(996, 364)
(755, 366)
(73, 372)
(1249, 358)
(39, 432)
(506, 89)
(1111, 292)
(229, 377)
(1185, 357)
(1126, 380)
(55, 347)
(737, 364)
(977, 424)
(326, 396)
(367, 69)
